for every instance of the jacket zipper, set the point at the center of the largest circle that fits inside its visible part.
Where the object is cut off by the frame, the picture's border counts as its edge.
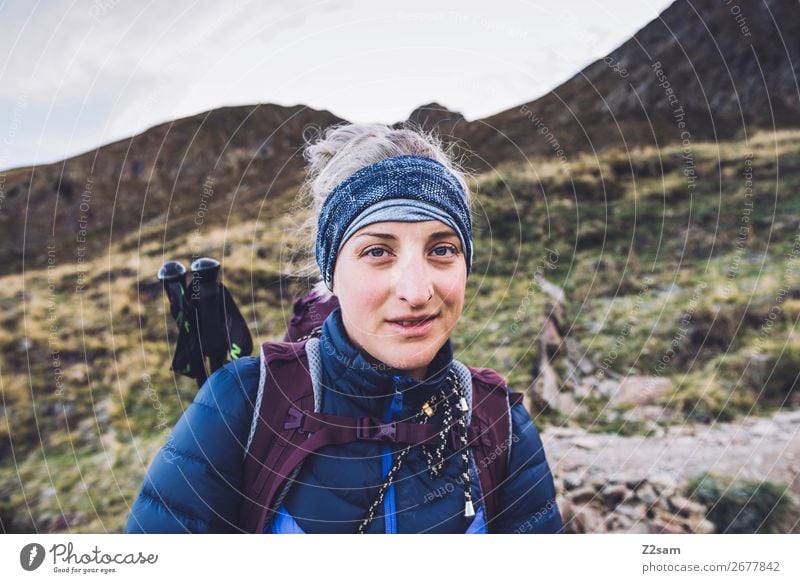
(393, 406)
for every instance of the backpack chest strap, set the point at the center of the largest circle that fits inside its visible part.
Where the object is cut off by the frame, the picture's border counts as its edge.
(342, 429)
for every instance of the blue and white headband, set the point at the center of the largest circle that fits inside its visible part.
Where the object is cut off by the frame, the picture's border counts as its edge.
(400, 188)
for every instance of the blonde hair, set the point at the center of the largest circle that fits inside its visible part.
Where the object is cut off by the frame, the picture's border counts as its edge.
(342, 150)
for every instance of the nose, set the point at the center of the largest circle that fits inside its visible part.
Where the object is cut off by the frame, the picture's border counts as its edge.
(413, 282)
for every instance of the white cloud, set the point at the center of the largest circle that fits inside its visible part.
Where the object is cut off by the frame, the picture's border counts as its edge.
(97, 71)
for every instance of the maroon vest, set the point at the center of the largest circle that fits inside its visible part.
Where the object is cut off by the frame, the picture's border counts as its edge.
(287, 430)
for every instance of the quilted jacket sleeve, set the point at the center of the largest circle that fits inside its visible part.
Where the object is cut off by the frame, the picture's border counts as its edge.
(527, 502)
(193, 484)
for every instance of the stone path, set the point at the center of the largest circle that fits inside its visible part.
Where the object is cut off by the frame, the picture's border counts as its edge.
(751, 448)
(755, 447)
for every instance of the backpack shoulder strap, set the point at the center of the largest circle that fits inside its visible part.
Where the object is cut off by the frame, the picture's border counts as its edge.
(491, 433)
(284, 384)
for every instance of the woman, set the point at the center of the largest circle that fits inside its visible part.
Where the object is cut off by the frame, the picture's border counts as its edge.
(393, 240)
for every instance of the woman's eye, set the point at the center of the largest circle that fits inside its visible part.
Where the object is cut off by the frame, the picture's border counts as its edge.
(375, 252)
(442, 250)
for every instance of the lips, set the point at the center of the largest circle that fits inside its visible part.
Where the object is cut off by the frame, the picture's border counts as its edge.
(413, 326)
(412, 320)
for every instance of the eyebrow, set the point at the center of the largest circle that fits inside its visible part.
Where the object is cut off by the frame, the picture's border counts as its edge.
(389, 236)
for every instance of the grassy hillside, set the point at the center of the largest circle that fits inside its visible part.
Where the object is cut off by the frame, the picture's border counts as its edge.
(667, 253)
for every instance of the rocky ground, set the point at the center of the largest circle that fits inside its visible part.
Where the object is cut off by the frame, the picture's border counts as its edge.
(610, 483)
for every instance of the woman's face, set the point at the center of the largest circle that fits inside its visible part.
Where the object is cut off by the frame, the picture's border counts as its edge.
(390, 275)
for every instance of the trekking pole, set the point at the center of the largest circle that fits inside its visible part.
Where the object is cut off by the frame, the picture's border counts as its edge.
(172, 275)
(205, 298)
(238, 340)
(187, 359)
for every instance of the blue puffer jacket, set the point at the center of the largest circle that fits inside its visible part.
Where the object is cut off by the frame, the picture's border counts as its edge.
(194, 483)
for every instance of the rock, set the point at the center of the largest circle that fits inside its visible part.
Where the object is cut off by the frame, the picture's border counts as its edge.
(559, 432)
(647, 494)
(584, 388)
(585, 442)
(617, 522)
(615, 494)
(585, 366)
(684, 506)
(572, 481)
(546, 387)
(608, 388)
(665, 523)
(77, 374)
(632, 481)
(565, 403)
(653, 413)
(704, 527)
(762, 428)
(551, 339)
(102, 418)
(639, 528)
(598, 482)
(662, 482)
(583, 520)
(633, 511)
(640, 390)
(583, 495)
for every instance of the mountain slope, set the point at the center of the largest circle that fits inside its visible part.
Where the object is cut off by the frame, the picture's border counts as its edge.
(205, 170)
(720, 68)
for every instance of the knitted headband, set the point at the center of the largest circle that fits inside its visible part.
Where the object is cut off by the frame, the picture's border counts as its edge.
(400, 188)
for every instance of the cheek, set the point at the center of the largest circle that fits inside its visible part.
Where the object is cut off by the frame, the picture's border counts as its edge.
(457, 302)
(360, 291)
(454, 290)
(367, 297)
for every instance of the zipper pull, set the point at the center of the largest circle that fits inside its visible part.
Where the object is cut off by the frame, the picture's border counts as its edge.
(396, 404)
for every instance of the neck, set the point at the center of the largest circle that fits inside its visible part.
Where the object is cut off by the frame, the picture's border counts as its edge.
(360, 380)
(419, 374)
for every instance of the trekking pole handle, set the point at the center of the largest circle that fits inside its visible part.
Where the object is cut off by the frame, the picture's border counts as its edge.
(171, 271)
(172, 276)
(205, 272)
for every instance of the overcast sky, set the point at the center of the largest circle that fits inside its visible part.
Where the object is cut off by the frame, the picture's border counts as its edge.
(78, 74)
